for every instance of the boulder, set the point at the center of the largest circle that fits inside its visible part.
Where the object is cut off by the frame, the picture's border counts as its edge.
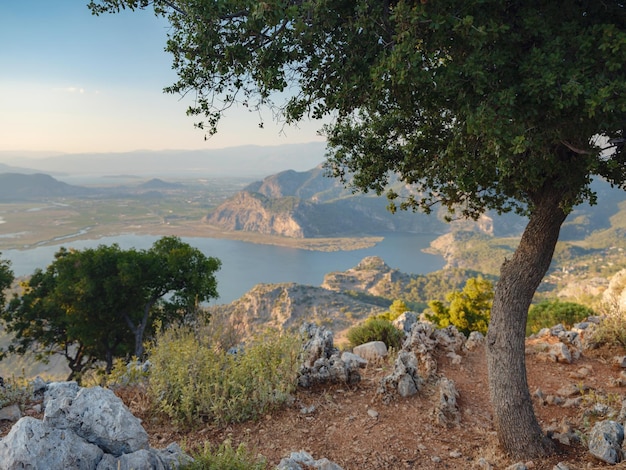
(84, 428)
(99, 417)
(605, 441)
(371, 351)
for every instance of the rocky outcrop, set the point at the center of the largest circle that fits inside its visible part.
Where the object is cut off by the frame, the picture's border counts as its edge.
(372, 275)
(253, 212)
(322, 362)
(84, 428)
(289, 305)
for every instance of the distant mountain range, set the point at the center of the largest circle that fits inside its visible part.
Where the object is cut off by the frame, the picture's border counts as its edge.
(244, 161)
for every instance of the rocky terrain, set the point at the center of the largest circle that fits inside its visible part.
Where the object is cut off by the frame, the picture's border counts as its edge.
(343, 299)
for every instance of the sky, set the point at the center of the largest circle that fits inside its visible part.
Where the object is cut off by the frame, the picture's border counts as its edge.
(71, 82)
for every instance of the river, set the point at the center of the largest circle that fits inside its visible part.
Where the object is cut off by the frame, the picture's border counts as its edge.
(246, 264)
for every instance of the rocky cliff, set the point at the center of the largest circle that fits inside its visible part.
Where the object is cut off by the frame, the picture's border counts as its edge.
(308, 204)
(288, 305)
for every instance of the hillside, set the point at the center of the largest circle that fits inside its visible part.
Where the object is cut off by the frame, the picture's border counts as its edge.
(310, 204)
(32, 187)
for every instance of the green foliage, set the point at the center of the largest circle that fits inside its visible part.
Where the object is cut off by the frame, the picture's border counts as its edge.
(99, 304)
(468, 310)
(192, 381)
(375, 329)
(397, 308)
(552, 312)
(225, 457)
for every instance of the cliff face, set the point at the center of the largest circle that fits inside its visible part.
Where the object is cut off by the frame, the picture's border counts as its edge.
(309, 204)
(253, 212)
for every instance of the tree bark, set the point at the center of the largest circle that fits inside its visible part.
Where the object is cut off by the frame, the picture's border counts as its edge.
(517, 427)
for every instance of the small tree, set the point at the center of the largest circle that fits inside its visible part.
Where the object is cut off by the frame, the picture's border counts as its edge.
(97, 304)
(468, 310)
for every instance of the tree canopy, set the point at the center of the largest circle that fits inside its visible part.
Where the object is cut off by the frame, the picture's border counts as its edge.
(475, 104)
(97, 304)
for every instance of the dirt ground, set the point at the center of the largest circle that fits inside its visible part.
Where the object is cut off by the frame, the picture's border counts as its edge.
(353, 428)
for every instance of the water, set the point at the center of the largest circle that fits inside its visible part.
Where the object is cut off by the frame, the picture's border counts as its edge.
(246, 264)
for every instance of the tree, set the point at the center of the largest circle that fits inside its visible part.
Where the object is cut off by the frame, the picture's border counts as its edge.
(468, 309)
(98, 304)
(477, 105)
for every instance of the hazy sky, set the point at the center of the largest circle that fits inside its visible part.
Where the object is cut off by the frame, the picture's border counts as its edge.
(73, 82)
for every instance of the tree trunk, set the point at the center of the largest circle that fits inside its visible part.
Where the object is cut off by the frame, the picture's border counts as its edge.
(517, 427)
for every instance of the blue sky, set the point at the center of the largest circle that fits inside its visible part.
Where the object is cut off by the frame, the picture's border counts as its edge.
(72, 82)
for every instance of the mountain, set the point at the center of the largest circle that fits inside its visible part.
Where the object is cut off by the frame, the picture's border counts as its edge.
(21, 187)
(309, 204)
(243, 161)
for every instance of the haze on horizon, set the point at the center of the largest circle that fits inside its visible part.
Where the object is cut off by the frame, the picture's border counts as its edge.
(75, 83)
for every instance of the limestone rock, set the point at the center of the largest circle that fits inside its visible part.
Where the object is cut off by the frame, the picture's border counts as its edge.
(303, 460)
(447, 410)
(605, 441)
(33, 444)
(10, 413)
(371, 351)
(98, 416)
(322, 362)
(84, 428)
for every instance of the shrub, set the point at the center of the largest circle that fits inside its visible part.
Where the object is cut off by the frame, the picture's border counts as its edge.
(468, 310)
(191, 380)
(375, 329)
(552, 312)
(612, 329)
(225, 457)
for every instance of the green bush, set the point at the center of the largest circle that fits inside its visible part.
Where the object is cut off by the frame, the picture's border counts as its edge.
(225, 457)
(468, 310)
(548, 313)
(192, 381)
(376, 329)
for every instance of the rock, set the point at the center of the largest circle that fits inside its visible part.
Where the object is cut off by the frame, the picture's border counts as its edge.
(372, 413)
(447, 411)
(10, 413)
(371, 351)
(559, 352)
(483, 464)
(33, 444)
(303, 460)
(353, 360)
(98, 416)
(474, 341)
(404, 381)
(605, 441)
(84, 428)
(405, 321)
(322, 362)
(517, 466)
